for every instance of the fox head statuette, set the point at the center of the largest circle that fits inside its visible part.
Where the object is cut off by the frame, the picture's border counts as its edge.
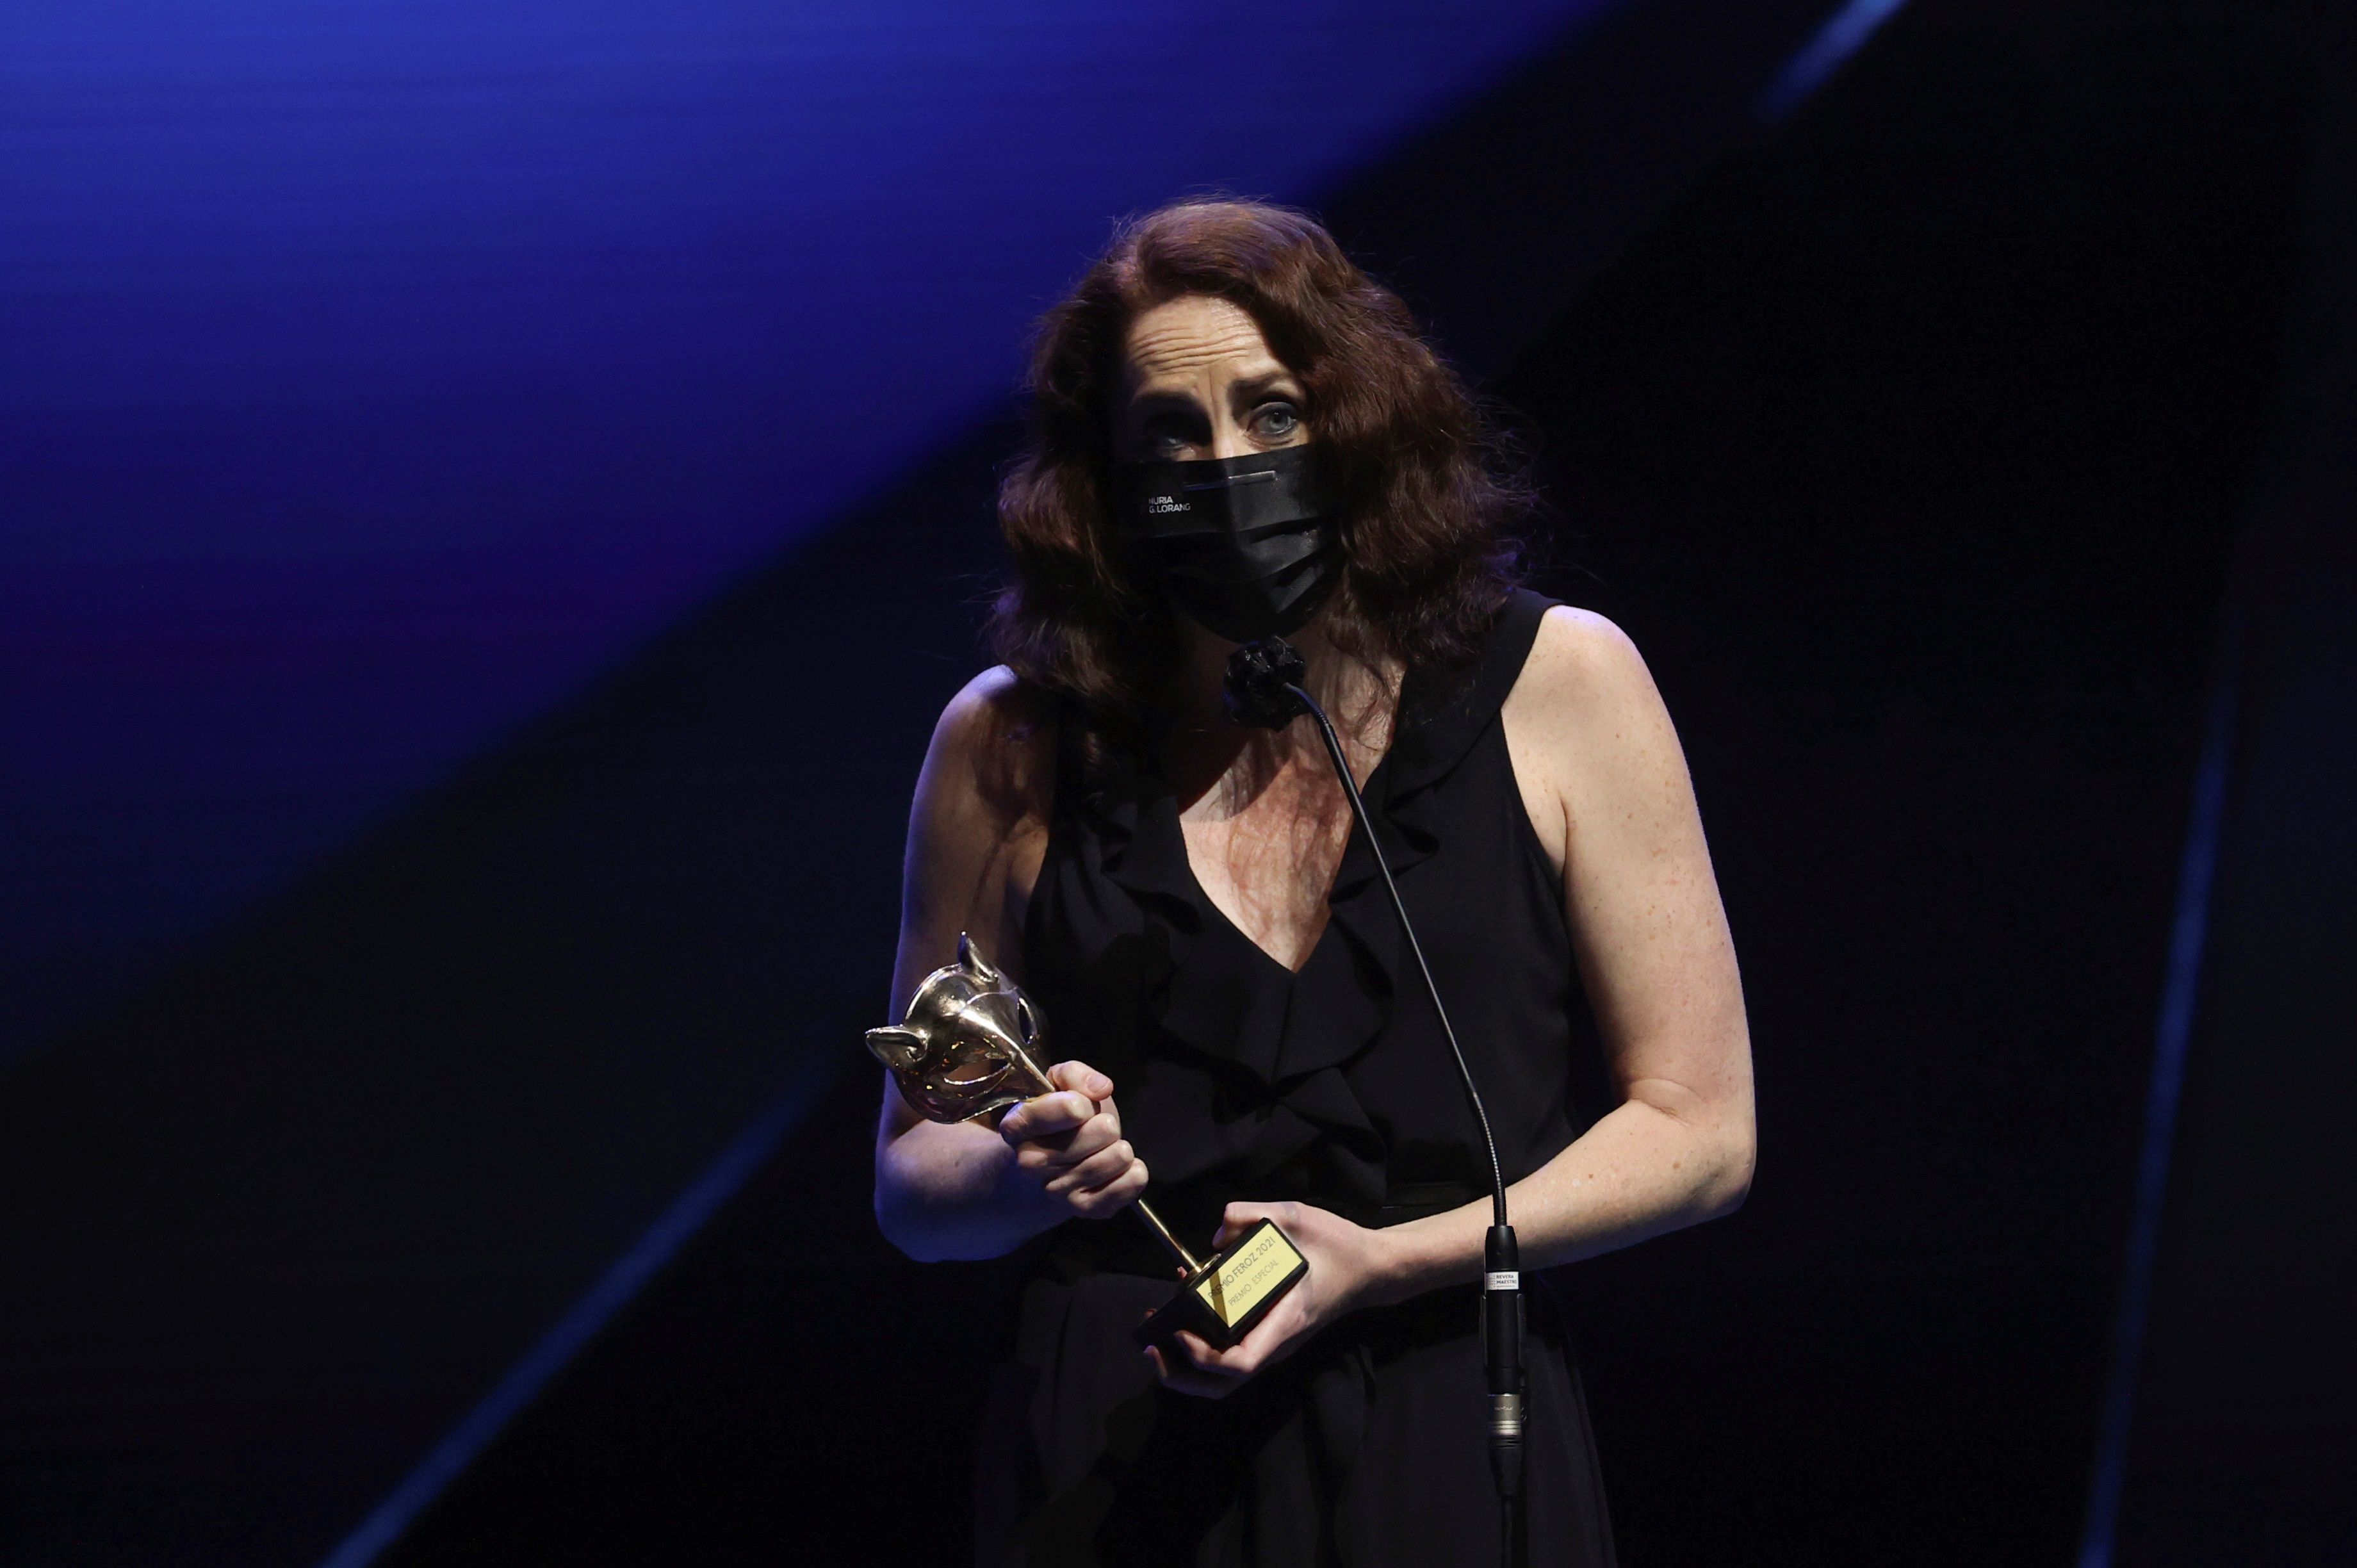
(966, 1047)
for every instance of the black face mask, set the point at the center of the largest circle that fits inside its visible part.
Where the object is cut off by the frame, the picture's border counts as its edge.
(1242, 545)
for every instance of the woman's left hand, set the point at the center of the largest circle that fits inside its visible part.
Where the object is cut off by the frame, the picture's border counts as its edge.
(1349, 1267)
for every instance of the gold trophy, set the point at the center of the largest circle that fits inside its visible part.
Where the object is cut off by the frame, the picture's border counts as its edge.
(966, 1051)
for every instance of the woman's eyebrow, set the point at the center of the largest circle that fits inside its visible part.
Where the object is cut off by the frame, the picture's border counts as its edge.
(1146, 404)
(1245, 388)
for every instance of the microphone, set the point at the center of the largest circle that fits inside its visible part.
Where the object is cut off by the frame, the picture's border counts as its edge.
(1263, 689)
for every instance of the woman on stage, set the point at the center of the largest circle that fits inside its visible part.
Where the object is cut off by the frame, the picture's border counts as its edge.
(1222, 976)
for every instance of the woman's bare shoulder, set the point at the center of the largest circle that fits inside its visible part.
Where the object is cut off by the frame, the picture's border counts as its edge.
(1582, 669)
(1587, 729)
(993, 760)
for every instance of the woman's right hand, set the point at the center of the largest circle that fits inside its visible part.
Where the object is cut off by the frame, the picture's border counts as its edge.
(1070, 1142)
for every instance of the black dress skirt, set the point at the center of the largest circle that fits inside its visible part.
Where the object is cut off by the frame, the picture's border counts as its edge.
(1238, 1079)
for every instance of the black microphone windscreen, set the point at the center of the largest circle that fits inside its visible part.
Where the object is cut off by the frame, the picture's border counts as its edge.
(1255, 688)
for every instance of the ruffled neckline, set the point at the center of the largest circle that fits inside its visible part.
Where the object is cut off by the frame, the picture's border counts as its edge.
(1222, 996)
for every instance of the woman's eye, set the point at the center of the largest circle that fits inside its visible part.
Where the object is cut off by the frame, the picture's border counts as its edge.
(1161, 437)
(1274, 421)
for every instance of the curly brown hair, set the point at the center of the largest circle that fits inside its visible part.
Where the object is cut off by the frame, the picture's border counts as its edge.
(1426, 518)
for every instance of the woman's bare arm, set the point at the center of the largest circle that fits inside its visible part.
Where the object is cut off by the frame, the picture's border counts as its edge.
(1606, 784)
(1600, 765)
(977, 832)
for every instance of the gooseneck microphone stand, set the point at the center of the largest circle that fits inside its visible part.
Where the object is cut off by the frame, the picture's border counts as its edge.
(1264, 690)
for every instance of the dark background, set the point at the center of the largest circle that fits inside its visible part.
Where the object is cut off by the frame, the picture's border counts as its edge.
(1966, 448)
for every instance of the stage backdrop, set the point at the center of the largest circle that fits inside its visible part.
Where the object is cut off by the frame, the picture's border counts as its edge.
(497, 499)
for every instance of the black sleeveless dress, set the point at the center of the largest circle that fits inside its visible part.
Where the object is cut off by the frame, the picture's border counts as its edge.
(1241, 1079)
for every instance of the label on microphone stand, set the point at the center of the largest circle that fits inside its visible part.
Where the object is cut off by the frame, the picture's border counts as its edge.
(1510, 1279)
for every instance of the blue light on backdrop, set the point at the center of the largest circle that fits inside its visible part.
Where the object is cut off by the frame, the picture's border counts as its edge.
(1843, 33)
(377, 373)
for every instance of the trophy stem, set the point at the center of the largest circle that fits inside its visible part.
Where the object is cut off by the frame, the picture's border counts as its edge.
(1036, 1077)
(1187, 1264)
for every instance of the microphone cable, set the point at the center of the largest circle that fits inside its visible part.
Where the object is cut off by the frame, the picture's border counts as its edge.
(1264, 690)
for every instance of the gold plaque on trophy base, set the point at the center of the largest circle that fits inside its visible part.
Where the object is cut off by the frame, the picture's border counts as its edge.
(1232, 1291)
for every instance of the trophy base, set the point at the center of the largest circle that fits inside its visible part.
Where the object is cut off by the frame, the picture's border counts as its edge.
(1222, 1300)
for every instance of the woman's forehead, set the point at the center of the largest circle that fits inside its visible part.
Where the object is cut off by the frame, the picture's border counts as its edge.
(1180, 338)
